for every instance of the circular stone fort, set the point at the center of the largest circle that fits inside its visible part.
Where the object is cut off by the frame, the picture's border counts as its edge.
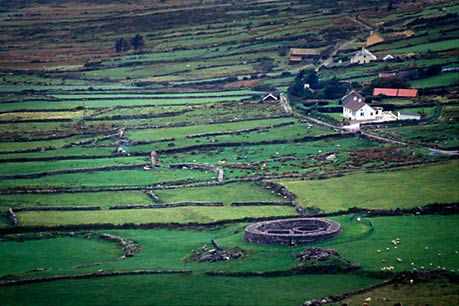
(290, 232)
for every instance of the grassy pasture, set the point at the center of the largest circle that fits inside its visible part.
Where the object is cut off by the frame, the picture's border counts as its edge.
(443, 135)
(183, 290)
(160, 215)
(234, 192)
(34, 167)
(111, 178)
(415, 234)
(191, 50)
(103, 199)
(388, 190)
(198, 129)
(71, 151)
(444, 79)
(57, 143)
(433, 46)
(252, 153)
(155, 95)
(54, 254)
(439, 292)
(41, 115)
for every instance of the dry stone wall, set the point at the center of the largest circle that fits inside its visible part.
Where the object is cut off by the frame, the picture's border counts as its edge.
(290, 232)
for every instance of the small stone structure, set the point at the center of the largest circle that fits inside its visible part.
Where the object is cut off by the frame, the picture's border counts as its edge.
(154, 158)
(290, 232)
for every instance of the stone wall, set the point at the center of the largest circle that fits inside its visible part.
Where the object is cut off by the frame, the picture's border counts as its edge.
(65, 171)
(97, 274)
(264, 203)
(168, 205)
(14, 219)
(290, 232)
(55, 208)
(237, 132)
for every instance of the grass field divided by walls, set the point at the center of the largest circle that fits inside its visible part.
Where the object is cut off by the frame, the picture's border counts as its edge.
(168, 249)
(103, 199)
(112, 178)
(55, 254)
(228, 193)
(435, 292)
(403, 188)
(183, 290)
(142, 216)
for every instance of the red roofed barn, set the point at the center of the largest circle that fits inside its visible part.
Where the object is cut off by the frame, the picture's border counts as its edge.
(396, 92)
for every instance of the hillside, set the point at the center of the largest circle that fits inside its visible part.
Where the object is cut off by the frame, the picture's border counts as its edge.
(138, 139)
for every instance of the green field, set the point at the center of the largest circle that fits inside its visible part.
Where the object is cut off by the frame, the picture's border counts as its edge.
(162, 215)
(103, 199)
(54, 254)
(182, 290)
(89, 89)
(235, 192)
(388, 190)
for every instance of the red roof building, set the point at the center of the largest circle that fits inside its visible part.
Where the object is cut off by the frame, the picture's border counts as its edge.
(407, 93)
(390, 92)
(396, 92)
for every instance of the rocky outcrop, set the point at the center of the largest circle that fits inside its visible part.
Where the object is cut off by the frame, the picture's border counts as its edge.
(317, 254)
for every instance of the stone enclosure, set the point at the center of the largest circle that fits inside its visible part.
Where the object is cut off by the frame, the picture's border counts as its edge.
(291, 232)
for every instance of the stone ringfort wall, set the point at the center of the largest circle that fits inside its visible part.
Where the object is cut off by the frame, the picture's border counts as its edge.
(292, 231)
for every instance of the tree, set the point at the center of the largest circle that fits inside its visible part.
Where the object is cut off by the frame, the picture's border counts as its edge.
(137, 42)
(333, 89)
(312, 79)
(297, 88)
(122, 45)
(126, 45)
(119, 45)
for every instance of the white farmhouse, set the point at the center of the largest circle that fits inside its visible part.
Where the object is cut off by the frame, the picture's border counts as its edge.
(358, 110)
(363, 57)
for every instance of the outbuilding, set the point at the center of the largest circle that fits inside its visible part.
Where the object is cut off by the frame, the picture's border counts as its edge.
(408, 116)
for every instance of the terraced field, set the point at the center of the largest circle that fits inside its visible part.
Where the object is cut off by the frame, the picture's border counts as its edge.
(123, 167)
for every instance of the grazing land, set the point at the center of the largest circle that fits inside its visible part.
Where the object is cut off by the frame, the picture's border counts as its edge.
(139, 139)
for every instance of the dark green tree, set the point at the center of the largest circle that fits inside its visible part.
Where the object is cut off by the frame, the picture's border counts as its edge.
(126, 45)
(137, 42)
(312, 79)
(333, 89)
(297, 88)
(119, 45)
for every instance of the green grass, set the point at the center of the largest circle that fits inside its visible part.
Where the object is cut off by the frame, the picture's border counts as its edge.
(198, 129)
(54, 253)
(434, 46)
(415, 234)
(443, 135)
(33, 167)
(57, 143)
(182, 290)
(444, 79)
(111, 178)
(438, 292)
(404, 189)
(235, 192)
(162, 215)
(103, 199)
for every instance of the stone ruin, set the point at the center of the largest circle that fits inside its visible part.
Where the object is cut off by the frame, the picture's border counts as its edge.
(154, 158)
(214, 253)
(290, 232)
(319, 254)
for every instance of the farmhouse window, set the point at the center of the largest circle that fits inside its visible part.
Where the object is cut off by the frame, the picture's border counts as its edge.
(361, 114)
